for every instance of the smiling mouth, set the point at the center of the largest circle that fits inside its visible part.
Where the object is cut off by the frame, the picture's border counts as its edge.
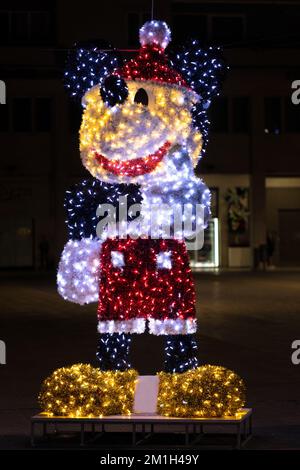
(136, 166)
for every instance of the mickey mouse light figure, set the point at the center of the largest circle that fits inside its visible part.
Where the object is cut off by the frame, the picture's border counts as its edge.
(144, 126)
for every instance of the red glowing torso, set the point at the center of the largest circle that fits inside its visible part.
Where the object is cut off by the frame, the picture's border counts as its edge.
(140, 289)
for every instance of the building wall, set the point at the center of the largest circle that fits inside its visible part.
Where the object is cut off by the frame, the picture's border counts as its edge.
(37, 167)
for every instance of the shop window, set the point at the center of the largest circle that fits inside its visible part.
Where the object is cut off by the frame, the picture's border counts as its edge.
(209, 255)
(273, 118)
(240, 114)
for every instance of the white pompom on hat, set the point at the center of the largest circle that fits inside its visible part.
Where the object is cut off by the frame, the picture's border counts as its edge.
(155, 32)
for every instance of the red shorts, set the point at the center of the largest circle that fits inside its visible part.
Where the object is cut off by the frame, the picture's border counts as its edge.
(146, 280)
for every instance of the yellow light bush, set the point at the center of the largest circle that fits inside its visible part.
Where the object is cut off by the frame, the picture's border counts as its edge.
(84, 391)
(208, 391)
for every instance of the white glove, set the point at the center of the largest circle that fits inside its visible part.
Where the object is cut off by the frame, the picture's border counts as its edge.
(79, 271)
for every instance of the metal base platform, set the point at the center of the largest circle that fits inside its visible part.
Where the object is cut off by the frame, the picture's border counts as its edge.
(193, 429)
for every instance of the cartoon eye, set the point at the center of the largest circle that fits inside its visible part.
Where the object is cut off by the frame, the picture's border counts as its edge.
(141, 96)
(164, 260)
(117, 259)
(113, 90)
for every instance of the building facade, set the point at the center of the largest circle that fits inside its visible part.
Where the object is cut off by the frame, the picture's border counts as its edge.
(252, 163)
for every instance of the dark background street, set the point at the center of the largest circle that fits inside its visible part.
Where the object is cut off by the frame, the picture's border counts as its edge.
(247, 323)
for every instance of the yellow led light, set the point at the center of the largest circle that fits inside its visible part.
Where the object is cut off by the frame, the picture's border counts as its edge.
(86, 391)
(131, 130)
(208, 391)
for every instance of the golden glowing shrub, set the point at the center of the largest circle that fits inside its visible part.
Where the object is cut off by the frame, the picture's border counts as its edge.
(208, 391)
(82, 390)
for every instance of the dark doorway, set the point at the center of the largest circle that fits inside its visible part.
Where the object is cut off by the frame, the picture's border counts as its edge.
(289, 237)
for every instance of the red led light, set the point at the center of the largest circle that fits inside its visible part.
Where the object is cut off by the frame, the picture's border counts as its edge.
(151, 64)
(136, 166)
(139, 289)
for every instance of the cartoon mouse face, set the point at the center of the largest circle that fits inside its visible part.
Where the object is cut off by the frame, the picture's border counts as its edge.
(140, 114)
(133, 140)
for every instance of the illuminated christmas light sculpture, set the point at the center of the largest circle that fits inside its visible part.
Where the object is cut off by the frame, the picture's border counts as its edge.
(143, 129)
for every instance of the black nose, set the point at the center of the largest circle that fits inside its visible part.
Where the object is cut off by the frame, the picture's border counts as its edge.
(114, 90)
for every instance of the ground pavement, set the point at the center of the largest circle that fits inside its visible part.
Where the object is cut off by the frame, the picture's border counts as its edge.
(247, 322)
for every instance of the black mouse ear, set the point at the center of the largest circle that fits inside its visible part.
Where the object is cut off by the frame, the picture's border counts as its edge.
(88, 64)
(203, 68)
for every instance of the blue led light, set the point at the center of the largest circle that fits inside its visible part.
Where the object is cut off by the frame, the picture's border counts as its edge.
(86, 67)
(204, 71)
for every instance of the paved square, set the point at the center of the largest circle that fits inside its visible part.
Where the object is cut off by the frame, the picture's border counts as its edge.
(247, 322)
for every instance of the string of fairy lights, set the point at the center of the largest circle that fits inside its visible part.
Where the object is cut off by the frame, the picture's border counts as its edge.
(140, 291)
(126, 143)
(207, 391)
(84, 391)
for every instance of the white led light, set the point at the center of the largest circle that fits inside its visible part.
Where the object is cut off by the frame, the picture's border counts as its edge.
(164, 260)
(117, 259)
(79, 271)
(135, 325)
(155, 32)
(172, 327)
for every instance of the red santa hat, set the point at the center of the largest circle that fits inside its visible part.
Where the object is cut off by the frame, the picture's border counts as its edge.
(151, 63)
